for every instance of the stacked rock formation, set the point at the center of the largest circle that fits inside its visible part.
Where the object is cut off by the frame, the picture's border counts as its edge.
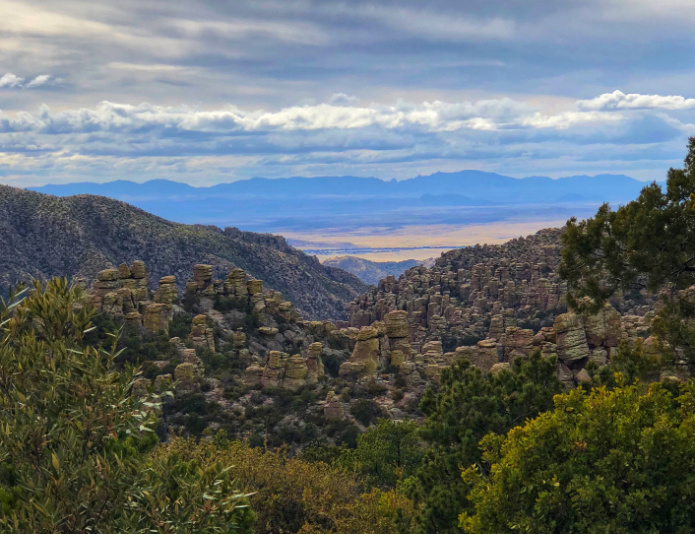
(333, 407)
(398, 333)
(366, 357)
(202, 281)
(495, 303)
(455, 300)
(189, 374)
(573, 339)
(202, 336)
(288, 372)
(125, 292)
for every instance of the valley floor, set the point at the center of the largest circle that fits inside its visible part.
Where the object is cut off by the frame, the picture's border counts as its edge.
(417, 242)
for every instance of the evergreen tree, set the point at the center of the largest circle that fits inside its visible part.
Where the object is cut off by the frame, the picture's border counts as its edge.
(468, 406)
(648, 244)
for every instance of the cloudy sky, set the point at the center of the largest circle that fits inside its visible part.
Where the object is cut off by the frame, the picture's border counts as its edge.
(208, 91)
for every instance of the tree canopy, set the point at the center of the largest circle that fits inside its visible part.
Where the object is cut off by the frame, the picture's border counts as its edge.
(469, 405)
(647, 244)
(611, 461)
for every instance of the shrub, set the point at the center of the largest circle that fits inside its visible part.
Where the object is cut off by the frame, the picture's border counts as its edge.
(76, 447)
(366, 411)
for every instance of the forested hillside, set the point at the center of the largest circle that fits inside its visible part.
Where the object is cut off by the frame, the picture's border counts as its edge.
(43, 236)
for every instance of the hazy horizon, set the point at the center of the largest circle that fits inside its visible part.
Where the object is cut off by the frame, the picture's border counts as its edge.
(223, 181)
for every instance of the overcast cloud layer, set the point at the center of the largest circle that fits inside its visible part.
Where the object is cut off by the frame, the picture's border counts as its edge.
(208, 91)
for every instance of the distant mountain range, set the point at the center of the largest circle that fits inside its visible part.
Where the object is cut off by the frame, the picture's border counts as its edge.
(308, 203)
(43, 236)
(371, 272)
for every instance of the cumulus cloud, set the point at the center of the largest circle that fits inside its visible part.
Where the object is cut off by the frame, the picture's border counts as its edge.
(10, 81)
(41, 79)
(617, 100)
(341, 113)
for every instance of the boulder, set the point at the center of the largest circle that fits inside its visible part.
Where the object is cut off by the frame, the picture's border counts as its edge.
(254, 287)
(139, 270)
(157, 317)
(603, 329)
(502, 366)
(124, 271)
(397, 324)
(571, 338)
(108, 275)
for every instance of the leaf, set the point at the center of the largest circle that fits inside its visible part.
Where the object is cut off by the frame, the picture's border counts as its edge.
(56, 463)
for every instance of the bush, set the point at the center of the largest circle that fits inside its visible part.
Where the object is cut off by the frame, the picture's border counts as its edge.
(76, 449)
(180, 325)
(366, 411)
(295, 496)
(610, 461)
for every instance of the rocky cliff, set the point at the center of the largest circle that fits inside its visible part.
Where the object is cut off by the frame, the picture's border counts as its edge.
(494, 303)
(43, 236)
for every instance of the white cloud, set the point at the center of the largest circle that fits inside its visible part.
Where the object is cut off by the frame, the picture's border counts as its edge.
(11, 80)
(41, 79)
(341, 113)
(617, 100)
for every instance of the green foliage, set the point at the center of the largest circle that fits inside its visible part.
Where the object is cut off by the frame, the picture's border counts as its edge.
(331, 364)
(180, 325)
(611, 461)
(647, 244)
(137, 348)
(75, 446)
(191, 302)
(629, 365)
(366, 411)
(468, 406)
(295, 496)
(386, 454)
(225, 304)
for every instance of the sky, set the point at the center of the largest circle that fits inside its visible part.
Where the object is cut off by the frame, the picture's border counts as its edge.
(211, 91)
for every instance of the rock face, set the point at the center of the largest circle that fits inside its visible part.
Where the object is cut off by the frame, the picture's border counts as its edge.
(492, 304)
(571, 338)
(483, 355)
(365, 358)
